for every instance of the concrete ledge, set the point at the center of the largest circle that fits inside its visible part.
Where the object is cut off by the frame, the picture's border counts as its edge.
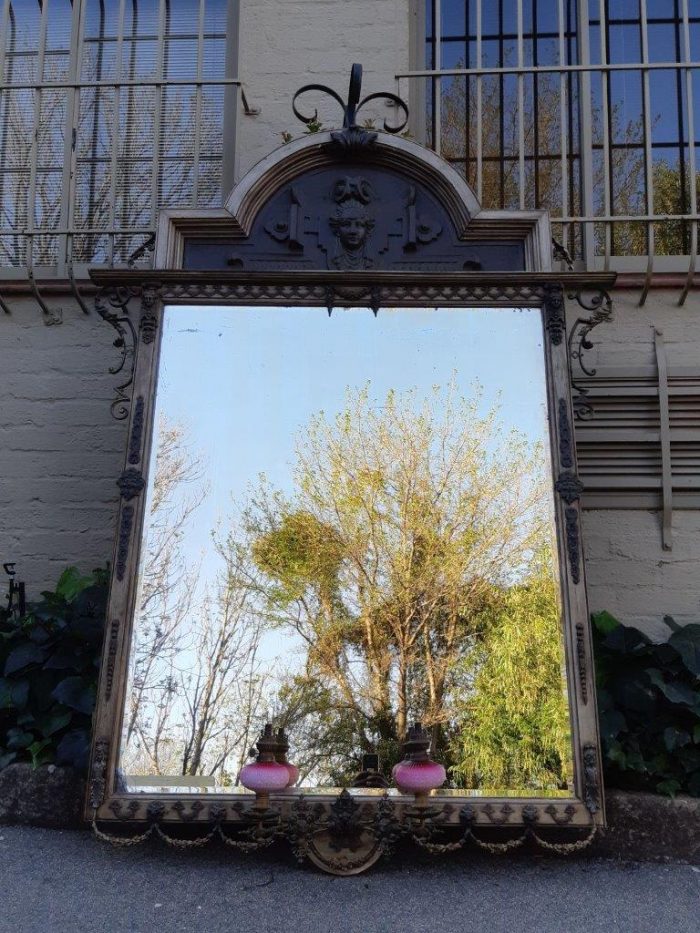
(650, 828)
(47, 796)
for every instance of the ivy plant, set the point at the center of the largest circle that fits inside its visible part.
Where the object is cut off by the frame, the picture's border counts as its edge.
(49, 661)
(649, 706)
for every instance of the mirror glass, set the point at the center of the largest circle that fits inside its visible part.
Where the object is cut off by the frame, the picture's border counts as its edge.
(349, 527)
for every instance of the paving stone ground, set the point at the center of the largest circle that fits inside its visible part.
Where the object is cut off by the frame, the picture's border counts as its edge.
(68, 882)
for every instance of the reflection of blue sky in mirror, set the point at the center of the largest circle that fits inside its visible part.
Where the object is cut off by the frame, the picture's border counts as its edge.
(245, 381)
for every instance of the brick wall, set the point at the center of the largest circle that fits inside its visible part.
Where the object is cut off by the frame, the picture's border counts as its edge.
(61, 451)
(286, 45)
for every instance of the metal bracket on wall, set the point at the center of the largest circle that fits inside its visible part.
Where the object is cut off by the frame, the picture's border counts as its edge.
(75, 289)
(665, 440)
(599, 303)
(247, 109)
(112, 305)
(50, 315)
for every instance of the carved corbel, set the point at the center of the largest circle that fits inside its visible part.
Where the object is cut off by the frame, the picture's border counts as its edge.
(599, 303)
(112, 304)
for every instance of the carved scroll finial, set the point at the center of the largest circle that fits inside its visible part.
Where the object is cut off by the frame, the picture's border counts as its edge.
(352, 137)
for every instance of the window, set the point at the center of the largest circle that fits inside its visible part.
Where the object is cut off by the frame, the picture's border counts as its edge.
(591, 125)
(127, 98)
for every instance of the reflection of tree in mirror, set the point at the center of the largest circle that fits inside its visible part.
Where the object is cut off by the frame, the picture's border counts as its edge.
(164, 603)
(406, 550)
(410, 563)
(195, 689)
(512, 724)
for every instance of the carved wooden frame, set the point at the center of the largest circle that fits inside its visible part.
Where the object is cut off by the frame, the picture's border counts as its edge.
(139, 340)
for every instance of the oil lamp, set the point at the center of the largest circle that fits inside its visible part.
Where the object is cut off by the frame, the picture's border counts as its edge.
(417, 773)
(265, 775)
(281, 757)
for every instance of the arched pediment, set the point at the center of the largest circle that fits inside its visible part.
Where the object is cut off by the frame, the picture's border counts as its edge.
(386, 154)
(368, 201)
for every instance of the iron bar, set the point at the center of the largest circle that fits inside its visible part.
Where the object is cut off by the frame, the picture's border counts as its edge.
(692, 261)
(549, 69)
(665, 438)
(648, 161)
(123, 82)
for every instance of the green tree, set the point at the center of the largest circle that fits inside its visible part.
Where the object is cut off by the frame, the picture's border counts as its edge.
(409, 520)
(513, 724)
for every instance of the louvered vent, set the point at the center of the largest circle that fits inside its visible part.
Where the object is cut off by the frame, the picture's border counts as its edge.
(619, 449)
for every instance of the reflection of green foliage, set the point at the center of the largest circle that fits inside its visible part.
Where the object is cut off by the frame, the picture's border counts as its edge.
(513, 722)
(334, 737)
(300, 552)
(409, 522)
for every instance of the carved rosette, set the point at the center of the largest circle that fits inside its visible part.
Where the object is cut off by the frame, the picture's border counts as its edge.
(569, 487)
(130, 483)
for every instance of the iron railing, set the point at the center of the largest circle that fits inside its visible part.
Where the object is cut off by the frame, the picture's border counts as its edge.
(592, 113)
(109, 113)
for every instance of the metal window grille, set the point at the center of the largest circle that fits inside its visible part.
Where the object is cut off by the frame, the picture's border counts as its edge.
(109, 111)
(589, 108)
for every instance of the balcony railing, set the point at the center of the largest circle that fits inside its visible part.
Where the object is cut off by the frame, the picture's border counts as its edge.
(109, 113)
(591, 111)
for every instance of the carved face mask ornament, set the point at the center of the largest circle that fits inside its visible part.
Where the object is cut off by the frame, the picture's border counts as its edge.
(351, 224)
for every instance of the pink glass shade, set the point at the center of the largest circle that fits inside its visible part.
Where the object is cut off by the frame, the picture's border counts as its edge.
(418, 777)
(293, 773)
(263, 777)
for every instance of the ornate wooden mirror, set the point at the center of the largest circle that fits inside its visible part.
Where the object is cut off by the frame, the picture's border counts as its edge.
(349, 505)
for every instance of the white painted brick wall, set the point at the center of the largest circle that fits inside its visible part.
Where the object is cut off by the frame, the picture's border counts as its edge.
(285, 45)
(60, 450)
(633, 578)
(628, 572)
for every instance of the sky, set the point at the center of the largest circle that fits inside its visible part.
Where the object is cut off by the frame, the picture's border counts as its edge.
(243, 382)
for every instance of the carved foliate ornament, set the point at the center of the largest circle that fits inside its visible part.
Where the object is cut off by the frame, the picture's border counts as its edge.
(130, 483)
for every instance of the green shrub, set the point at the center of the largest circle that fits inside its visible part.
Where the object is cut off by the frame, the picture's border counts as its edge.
(49, 661)
(649, 706)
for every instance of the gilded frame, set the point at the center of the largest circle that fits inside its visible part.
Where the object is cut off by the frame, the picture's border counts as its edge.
(133, 301)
